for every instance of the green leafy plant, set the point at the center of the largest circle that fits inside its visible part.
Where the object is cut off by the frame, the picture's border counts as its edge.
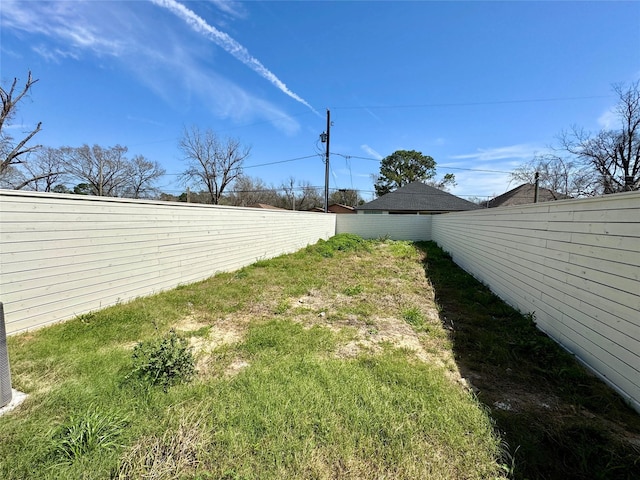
(85, 433)
(343, 242)
(164, 361)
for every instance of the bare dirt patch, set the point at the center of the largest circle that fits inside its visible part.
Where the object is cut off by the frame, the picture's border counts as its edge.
(362, 299)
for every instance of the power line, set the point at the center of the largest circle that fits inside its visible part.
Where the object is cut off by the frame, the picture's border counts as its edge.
(280, 161)
(260, 164)
(472, 104)
(442, 167)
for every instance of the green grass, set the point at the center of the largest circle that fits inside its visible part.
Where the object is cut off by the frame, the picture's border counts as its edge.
(558, 420)
(309, 382)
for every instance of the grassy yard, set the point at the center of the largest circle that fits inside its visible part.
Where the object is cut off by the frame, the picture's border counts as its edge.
(341, 361)
(328, 363)
(557, 420)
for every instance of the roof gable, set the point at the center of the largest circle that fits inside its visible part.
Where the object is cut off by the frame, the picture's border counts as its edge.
(418, 197)
(524, 194)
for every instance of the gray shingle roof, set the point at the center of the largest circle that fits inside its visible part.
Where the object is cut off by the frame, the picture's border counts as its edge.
(524, 194)
(418, 197)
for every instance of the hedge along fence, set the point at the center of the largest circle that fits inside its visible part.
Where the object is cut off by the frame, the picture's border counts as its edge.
(65, 255)
(574, 263)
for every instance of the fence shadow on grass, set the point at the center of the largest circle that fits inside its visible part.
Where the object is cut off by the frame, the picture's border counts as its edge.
(557, 420)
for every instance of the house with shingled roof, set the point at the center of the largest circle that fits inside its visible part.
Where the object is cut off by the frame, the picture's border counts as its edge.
(524, 194)
(417, 198)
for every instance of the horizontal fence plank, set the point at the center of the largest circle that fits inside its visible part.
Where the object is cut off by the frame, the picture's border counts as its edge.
(64, 255)
(396, 227)
(575, 263)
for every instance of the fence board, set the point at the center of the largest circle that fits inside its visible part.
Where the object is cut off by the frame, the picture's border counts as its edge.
(63, 255)
(574, 262)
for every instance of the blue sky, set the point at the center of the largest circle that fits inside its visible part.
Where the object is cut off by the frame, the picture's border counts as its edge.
(476, 85)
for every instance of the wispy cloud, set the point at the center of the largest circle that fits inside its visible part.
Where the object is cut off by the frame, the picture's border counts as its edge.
(230, 7)
(64, 21)
(608, 119)
(371, 151)
(230, 45)
(53, 54)
(520, 151)
(481, 184)
(171, 65)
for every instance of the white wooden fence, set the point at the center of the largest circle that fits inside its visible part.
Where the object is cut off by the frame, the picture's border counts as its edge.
(574, 263)
(397, 227)
(64, 255)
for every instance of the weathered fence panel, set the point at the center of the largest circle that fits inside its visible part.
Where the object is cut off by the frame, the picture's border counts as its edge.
(574, 263)
(64, 255)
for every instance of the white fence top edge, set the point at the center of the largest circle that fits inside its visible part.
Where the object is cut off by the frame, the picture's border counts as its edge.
(94, 198)
(557, 203)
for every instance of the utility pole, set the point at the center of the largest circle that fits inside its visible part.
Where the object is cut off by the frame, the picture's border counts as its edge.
(326, 165)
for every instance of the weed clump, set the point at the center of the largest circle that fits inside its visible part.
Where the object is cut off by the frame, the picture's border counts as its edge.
(93, 430)
(343, 242)
(164, 361)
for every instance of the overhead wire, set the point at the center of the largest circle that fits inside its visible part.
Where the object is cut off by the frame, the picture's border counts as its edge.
(472, 104)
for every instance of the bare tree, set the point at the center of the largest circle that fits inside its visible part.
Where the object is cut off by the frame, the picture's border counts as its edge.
(300, 195)
(44, 172)
(14, 152)
(212, 162)
(613, 154)
(141, 176)
(309, 196)
(108, 172)
(11, 177)
(250, 191)
(346, 196)
(563, 177)
(289, 200)
(105, 170)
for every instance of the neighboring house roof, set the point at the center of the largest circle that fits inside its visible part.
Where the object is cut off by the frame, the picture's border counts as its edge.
(523, 194)
(265, 205)
(340, 208)
(335, 208)
(418, 197)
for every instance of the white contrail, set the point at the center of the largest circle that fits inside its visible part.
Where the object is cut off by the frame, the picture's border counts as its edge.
(198, 24)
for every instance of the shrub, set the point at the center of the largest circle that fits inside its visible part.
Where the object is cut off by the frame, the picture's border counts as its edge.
(164, 361)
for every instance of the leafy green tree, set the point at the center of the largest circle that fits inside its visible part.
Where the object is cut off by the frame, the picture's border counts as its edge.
(406, 166)
(60, 188)
(83, 189)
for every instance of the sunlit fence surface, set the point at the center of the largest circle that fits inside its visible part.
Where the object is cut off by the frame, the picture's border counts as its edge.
(64, 255)
(575, 264)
